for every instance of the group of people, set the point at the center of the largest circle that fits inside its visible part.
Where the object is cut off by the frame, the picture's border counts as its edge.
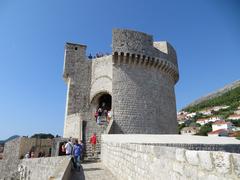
(31, 154)
(98, 55)
(101, 112)
(74, 149)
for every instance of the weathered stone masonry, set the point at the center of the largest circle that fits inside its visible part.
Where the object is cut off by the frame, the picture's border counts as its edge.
(130, 157)
(139, 75)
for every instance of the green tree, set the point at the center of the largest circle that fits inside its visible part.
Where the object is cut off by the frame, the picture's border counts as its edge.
(205, 129)
(180, 126)
(42, 136)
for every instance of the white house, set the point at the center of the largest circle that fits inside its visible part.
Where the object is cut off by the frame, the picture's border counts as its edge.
(214, 118)
(234, 116)
(222, 125)
(206, 112)
(237, 112)
(221, 128)
(182, 113)
(219, 132)
(190, 130)
(203, 121)
(191, 115)
(217, 108)
(181, 121)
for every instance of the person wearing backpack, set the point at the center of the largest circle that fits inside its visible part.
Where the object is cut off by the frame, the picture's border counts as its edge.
(77, 151)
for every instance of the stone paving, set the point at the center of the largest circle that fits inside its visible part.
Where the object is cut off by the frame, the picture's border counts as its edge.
(93, 170)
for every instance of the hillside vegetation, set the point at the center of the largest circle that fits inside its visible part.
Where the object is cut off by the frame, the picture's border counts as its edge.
(230, 98)
(9, 139)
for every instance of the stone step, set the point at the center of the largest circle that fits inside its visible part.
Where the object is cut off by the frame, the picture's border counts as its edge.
(93, 127)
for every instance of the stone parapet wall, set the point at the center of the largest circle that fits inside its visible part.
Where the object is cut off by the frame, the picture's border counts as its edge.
(129, 160)
(139, 43)
(44, 168)
(139, 47)
(35, 144)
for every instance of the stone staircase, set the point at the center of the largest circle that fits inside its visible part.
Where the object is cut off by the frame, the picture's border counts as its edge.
(90, 127)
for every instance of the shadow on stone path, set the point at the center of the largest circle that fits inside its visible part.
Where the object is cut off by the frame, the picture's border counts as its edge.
(92, 170)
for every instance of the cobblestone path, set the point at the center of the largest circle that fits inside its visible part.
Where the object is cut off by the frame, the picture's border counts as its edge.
(92, 171)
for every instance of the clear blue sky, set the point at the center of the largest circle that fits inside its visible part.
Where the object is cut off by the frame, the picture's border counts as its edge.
(205, 33)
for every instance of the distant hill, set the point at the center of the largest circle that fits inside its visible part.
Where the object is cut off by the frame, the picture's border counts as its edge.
(9, 139)
(228, 95)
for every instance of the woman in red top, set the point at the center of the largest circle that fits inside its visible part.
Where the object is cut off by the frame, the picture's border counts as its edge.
(93, 142)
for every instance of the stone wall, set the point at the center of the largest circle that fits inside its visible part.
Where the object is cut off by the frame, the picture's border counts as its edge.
(101, 76)
(10, 161)
(129, 160)
(77, 75)
(35, 168)
(143, 84)
(43, 168)
(143, 101)
(37, 145)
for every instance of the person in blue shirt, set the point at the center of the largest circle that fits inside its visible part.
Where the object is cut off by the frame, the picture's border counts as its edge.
(77, 151)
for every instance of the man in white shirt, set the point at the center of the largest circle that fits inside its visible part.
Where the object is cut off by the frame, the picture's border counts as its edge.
(69, 148)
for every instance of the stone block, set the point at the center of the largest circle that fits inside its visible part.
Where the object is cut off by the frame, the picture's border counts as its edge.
(180, 155)
(213, 177)
(236, 164)
(190, 172)
(205, 160)
(222, 162)
(178, 167)
(167, 152)
(174, 176)
(202, 175)
(192, 157)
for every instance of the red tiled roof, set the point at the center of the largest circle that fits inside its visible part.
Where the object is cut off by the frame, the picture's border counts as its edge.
(234, 115)
(202, 119)
(221, 122)
(218, 131)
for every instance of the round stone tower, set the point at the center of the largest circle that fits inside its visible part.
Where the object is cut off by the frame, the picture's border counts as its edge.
(143, 77)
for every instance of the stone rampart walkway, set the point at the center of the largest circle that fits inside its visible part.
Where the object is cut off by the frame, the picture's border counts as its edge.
(93, 170)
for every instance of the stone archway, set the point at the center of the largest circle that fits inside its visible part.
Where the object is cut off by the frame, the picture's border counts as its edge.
(103, 100)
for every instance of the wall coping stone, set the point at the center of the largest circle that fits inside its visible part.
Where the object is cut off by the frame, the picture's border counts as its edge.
(169, 139)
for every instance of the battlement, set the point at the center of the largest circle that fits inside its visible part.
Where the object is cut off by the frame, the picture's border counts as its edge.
(137, 48)
(74, 46)
(74, 53)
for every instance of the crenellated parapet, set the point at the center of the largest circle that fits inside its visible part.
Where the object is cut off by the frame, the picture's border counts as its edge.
(147, 62)
(137, 48)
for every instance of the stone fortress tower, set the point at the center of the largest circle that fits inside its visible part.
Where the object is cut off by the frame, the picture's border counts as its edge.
(136, 82)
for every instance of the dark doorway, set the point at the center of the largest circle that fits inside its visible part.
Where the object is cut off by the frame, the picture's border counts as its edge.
(105, 102)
